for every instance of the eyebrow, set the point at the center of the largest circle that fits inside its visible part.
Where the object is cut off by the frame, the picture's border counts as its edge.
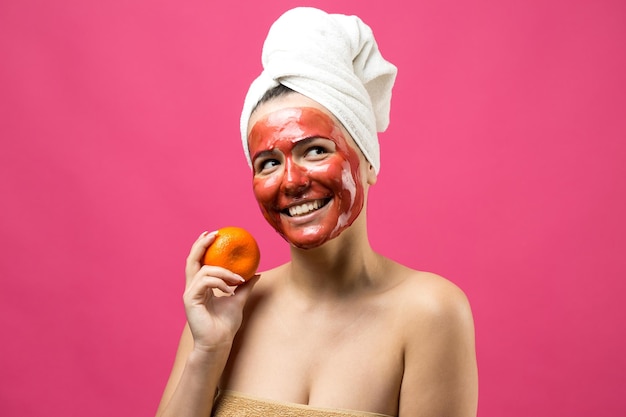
(298, 144)
(307, 140)
(263, 154)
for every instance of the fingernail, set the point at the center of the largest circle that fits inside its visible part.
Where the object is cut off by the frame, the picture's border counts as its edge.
(203, 234)
(210, 235)
(240, 278)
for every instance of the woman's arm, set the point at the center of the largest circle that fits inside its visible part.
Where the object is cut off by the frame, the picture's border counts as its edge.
(441, 376)
(212, 322)
(192, 384)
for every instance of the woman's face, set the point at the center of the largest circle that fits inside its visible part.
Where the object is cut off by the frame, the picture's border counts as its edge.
(306, 172)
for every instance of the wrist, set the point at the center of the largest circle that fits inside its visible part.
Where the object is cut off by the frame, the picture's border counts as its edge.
(208, 364)
(201, 353)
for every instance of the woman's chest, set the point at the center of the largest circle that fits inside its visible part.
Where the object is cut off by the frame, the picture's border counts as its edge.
(352, 361)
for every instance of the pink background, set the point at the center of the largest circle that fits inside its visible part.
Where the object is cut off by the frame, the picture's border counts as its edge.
(504, 170)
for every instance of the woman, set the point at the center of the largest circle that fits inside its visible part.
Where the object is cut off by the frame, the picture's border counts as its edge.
(338, 330)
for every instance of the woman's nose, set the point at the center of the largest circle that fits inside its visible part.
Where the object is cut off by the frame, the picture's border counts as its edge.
(295, 178)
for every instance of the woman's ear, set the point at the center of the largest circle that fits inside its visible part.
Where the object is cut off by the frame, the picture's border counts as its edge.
(371, 175)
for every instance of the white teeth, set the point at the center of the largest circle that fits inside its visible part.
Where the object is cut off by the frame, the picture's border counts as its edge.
(304, 208)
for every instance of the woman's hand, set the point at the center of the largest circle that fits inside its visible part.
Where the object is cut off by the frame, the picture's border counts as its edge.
(213, 319)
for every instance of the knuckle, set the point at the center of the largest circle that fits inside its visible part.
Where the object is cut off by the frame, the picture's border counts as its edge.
(209, 270)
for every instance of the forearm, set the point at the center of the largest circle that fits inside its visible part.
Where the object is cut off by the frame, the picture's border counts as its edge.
(194, 394)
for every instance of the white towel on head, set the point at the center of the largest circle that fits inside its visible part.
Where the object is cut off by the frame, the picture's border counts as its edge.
(334, 60)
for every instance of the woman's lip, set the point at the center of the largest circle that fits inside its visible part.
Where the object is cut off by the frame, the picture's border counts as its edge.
(312, 204)
(306, 207)
(304, 218)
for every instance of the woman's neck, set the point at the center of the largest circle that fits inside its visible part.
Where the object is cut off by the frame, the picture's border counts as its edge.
(340, 268)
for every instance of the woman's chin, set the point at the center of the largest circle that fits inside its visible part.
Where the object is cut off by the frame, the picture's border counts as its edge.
(309, 241)
(306, 243)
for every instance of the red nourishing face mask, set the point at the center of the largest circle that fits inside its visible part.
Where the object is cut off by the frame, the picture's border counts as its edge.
(306, 175)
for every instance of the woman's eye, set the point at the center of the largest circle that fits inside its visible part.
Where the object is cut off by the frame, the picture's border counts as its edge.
(316, 153)
(268, 165)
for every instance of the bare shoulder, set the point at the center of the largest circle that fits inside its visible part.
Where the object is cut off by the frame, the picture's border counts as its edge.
(269, 279)
(426, 296)
(440, 376)
(267, 286)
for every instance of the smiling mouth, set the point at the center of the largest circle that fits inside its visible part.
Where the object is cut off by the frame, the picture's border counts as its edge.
(305, 208)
